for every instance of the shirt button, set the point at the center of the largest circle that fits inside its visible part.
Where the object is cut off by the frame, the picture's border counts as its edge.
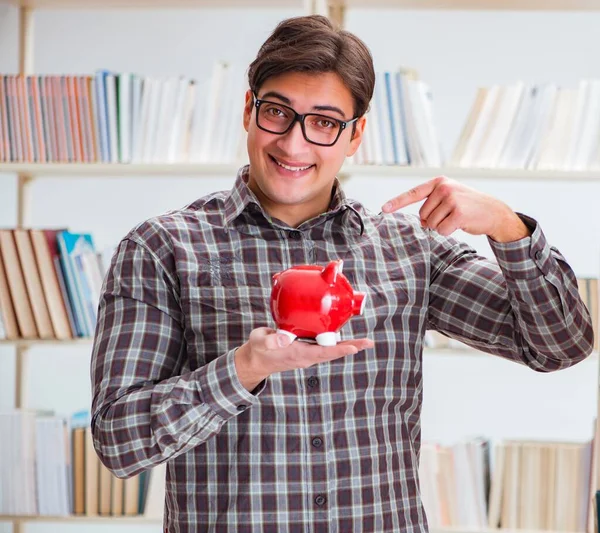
(295, 235)
(538, 255)
(313, 381)
(242, 407)
(317, 442)
(320, 500)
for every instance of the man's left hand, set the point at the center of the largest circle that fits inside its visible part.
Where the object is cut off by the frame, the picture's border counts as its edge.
(451, 205)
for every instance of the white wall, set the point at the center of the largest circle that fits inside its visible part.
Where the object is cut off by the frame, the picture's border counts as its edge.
(455, 52)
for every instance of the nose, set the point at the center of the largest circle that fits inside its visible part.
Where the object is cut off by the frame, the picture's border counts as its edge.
(293, 142)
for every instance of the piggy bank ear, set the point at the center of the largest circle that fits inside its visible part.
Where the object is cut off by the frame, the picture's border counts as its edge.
(331, 271)
(275, 277)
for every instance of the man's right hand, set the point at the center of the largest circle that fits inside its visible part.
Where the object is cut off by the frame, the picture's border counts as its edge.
(268, 352)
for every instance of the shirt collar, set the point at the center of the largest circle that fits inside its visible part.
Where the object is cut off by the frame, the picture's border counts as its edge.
(241, 197)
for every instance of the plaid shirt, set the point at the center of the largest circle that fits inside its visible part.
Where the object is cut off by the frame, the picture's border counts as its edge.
(331, 448)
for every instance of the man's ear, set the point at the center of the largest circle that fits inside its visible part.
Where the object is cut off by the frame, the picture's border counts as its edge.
(248, 108)
(357, 137)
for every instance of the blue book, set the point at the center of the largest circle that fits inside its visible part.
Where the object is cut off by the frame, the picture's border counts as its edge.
(383, 117)
(71, 246)
(71, 291)
(402, 104)
(60, 274)
(388, 91)
(10, 118)
(88, 301)
(102, 111)
(80, 419)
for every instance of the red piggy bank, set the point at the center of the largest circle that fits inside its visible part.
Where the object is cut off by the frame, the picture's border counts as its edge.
(312, 301)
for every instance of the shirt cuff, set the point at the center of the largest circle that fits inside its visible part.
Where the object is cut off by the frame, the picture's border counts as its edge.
(221, 389)
(526, 258)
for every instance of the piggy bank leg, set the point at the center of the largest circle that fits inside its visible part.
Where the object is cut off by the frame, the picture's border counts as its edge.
(288, 333)
(327, 339)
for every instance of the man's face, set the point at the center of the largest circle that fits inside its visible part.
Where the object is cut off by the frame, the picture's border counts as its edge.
(291, 176)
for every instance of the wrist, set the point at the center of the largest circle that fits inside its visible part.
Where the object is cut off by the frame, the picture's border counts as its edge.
(245, 365)
(509, 228)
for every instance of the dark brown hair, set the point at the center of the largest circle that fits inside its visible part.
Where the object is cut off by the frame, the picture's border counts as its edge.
(312, 44)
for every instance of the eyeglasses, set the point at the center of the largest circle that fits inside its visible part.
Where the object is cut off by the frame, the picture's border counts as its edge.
(317, 129)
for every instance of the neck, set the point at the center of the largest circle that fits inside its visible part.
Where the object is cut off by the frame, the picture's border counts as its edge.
(292, 214)
(295, 214)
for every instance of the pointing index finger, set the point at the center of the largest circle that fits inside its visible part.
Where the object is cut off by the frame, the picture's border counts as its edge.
(412, 196)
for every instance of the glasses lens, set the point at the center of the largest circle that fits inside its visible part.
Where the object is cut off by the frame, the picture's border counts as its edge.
(275, 118)
(321, 129)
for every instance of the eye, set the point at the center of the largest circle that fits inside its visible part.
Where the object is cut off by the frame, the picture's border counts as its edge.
(275, 112)
(325, 124)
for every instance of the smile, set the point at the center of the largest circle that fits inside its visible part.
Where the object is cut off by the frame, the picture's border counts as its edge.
(290, 168)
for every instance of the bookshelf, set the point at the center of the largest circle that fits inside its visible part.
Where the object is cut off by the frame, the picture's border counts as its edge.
(511, 5)
(545, 5)
(142, 521)
(34, 171)
(138, 520)
(28, 173)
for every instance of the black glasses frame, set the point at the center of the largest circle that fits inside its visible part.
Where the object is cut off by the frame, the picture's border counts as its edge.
(300, 118)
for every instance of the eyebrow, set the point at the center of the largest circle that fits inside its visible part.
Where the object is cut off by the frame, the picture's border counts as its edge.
(287, 101)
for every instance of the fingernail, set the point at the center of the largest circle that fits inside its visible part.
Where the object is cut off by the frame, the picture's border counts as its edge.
(387, 206)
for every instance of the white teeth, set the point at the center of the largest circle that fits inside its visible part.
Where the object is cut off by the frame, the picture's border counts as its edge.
(293, 169)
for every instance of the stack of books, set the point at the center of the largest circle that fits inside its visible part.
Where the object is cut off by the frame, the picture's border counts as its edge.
(533, 485)
(50, 284)
(535, 127)
(113, 117)
(401, 127)
(49, 467)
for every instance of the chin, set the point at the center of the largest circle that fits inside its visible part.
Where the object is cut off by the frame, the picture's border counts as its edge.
(284, 196)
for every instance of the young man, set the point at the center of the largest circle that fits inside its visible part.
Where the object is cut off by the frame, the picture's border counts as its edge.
(262, 434)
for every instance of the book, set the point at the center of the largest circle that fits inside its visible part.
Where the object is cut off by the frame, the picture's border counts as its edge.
(42, 244)
(16, 285)
(33, 284)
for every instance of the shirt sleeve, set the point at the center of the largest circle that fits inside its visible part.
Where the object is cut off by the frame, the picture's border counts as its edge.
(526, 307)
(146, 408)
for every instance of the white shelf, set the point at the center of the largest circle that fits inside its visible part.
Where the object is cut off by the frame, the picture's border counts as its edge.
(74, 518)
(428, 350)
(154, 4)
(488, 530)
(469, 173)
(24, 343)
(117, 170)
(145, 520)
(229, 170)
(514, 5)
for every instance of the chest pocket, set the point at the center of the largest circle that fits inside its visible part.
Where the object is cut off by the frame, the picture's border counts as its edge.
(220, 318)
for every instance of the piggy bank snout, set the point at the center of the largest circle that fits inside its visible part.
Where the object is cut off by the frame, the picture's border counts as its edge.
(358, 305)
